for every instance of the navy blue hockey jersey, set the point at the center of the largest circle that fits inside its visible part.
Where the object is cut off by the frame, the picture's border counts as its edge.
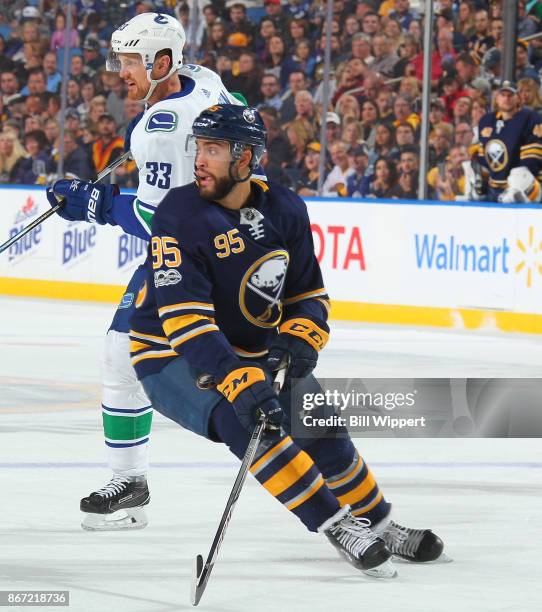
(220, 282)
(510, 143)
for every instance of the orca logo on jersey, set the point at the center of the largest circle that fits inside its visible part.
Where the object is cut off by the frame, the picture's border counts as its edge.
(262, 288)
(496, 155)
(162, 121)
(161, 19)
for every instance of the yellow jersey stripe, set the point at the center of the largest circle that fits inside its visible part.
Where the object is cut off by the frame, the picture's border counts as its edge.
(369, 506)
(352, 473)
(150, 337)
(305, 296)
(271, 454)
(136, 346)
(289, 474)
(315, 486)
(185, 306)
(177, 323)
(357, 494)
(153, 355)
(192, 334)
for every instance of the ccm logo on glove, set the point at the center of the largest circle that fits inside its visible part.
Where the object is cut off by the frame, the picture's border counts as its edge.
(238, 381)
(307, 330)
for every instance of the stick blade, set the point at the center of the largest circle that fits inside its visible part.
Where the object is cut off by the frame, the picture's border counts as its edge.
(196, 590)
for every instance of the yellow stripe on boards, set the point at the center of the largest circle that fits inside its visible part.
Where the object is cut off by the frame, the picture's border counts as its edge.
(61, 290)
(392, 314)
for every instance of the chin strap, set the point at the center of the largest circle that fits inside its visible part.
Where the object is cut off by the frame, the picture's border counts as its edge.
(155, 82)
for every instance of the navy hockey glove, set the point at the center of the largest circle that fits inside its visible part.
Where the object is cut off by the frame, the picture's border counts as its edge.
(251, 394)
(83, 201)
(299, 340)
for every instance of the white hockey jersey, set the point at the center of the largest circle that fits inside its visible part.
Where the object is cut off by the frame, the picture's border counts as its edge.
(158, 141)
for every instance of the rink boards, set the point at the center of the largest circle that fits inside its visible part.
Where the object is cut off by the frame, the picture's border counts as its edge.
(458, 265)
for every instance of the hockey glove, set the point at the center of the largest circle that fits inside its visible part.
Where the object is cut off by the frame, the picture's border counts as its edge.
(251, 394)
(83, 201)
(300, 340)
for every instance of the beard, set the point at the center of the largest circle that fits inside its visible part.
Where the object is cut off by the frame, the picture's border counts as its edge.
(220, 189)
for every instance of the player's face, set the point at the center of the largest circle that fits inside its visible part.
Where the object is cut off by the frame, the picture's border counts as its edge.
(134, 75)
(212, 165)
(506, 101)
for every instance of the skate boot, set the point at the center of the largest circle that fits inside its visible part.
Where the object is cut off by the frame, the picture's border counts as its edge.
(415, 545)
(355, 541)
(117, 505)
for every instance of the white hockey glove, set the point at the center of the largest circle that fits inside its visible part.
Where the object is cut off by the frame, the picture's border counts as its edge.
(473, 183)
(522, 187)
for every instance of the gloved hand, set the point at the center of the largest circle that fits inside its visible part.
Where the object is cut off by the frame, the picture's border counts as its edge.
(302, 357)
(250, 393)
(299, 340)
(82, 200)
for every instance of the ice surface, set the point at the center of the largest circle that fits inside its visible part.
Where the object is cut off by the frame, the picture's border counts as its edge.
(482, 496)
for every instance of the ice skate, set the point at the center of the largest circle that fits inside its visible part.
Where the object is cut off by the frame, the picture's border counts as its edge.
(361, 547)
(414, 545)
(117, 505)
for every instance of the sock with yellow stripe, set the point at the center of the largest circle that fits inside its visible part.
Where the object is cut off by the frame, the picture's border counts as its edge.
(349, 478)
(282, 467)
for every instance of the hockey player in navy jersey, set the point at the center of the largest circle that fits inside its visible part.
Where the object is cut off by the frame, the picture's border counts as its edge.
(232, 286)
(508, 155)
(147, 53)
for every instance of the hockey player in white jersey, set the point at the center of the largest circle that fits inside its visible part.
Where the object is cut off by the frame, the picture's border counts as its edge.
(147, 53)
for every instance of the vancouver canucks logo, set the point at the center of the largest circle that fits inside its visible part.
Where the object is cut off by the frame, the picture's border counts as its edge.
(162, 121)
(496, 155)
(262, 288)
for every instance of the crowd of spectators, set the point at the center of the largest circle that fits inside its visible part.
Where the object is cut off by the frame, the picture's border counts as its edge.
(273, 53)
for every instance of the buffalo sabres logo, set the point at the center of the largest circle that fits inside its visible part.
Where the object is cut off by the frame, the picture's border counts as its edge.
(262, 287)
(496, 155)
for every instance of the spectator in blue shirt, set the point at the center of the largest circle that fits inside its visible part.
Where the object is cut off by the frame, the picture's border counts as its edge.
(358, 183)
(54, 78)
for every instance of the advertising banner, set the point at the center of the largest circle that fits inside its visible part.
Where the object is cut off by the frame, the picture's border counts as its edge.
(421, 263)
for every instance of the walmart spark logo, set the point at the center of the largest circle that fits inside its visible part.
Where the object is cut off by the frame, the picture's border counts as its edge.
(531, 258)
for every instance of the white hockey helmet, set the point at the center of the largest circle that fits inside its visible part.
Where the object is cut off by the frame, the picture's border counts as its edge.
(147, 34)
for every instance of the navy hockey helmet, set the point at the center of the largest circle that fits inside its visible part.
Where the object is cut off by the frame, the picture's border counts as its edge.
(241, 126)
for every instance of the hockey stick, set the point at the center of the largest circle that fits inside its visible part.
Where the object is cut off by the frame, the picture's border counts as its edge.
(105, 172)
(202, 573)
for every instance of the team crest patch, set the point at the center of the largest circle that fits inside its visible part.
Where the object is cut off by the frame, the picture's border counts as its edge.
(249, 116)
(162, 121)
(163, 278)
(127, 300)
(496, 155)
(262, 288)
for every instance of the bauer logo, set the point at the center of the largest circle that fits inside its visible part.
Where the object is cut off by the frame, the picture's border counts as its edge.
(131, 250)
(162, 121)
(77, 243)
(29, 242)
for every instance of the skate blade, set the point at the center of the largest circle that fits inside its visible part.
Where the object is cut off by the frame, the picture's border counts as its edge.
(444, 558)
(131, 518)
(385, 570)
